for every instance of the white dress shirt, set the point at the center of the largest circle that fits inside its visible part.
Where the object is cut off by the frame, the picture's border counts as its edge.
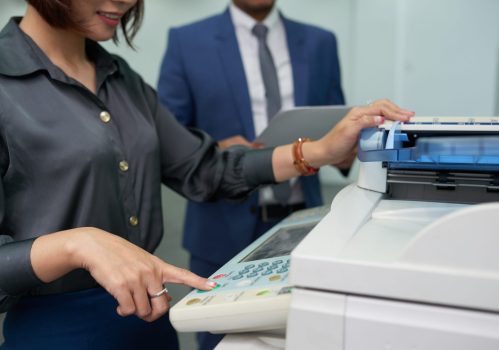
(278, 45)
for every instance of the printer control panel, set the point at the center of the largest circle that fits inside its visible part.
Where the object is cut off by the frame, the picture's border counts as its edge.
(253, 290)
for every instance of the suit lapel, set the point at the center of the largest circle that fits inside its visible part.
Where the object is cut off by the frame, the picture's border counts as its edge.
(296, 46)
(231, 60)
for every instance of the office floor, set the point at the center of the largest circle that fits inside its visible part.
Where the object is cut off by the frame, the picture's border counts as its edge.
(171, 249)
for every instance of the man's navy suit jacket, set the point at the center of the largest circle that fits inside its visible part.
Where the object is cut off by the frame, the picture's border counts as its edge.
(202, 81)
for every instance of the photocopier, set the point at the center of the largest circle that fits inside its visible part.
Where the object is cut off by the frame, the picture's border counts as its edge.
(406, 258)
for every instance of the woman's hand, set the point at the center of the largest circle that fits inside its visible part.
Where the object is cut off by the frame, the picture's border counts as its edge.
(130, 274)
(233, 140)
(339, 143)
(238, 140)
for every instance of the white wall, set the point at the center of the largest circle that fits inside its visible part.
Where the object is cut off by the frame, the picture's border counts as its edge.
(436, 57)
(9, 8)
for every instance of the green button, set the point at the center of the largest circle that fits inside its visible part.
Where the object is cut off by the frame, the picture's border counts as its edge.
(263, 292)
(204, 291)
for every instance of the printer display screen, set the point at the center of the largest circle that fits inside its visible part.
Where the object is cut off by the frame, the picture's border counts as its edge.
(281, 243)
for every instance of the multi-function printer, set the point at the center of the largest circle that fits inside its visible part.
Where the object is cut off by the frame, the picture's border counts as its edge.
(406, 258)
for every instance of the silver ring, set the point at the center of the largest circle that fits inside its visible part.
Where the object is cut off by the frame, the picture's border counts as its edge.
(160, 293)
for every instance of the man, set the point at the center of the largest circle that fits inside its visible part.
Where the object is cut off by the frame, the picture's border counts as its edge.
(217, 76)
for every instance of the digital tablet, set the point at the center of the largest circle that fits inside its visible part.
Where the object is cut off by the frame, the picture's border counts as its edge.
(312, 122)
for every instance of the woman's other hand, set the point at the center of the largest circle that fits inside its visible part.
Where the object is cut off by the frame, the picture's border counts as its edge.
(129, 273)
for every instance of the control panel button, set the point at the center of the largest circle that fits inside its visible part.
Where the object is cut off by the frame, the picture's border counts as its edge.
(263, 292)
(244, 283)
(220, 275)
(285, 290)
(274, 278)
(205, 291)
(193, 301)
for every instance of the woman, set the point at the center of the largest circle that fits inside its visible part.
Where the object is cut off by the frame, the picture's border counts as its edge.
(84, 148)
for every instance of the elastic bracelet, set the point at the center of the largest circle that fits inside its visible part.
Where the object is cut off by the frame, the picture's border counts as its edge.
(303, 167)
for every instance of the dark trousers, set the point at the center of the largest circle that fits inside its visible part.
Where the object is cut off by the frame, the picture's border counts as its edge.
(208, 341)
(85, 320)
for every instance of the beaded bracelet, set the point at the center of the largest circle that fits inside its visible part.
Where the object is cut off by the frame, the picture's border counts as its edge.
(299, 162)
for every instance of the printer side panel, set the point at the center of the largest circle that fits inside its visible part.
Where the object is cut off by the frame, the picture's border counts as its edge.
(372, 176)
(315, 321)
(385, 324)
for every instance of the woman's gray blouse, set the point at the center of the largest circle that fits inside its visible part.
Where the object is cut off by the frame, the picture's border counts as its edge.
(70, 158)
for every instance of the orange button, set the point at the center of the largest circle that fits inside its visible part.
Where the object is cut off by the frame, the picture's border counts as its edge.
(193, 301)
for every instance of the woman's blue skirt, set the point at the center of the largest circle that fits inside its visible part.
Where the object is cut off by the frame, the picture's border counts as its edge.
(81, 321)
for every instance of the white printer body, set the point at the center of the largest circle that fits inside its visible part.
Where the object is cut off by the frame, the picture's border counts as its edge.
(407, 258)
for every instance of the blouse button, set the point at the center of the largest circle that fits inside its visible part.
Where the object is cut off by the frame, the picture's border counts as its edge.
(105, 116)
(133, 220)
(124, 165)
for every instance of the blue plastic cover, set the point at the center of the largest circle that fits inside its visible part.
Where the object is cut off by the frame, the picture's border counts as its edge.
(440, 152)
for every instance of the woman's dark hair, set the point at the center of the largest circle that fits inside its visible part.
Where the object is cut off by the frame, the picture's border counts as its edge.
(57, 14)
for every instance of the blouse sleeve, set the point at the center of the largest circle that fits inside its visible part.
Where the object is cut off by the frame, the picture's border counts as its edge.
(16, 273)
(193, 165)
